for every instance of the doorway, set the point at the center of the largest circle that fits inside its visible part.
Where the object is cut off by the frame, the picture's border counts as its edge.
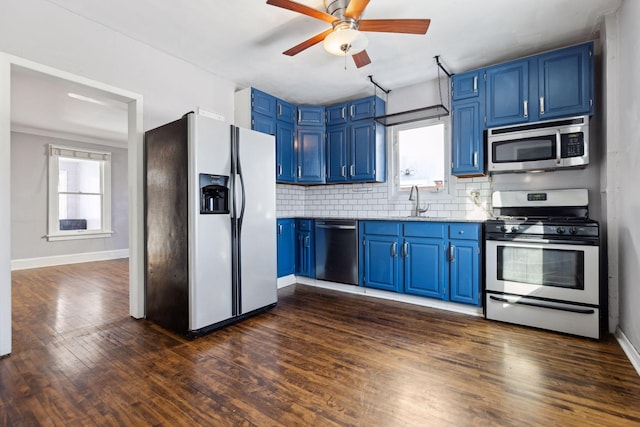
(9, 65)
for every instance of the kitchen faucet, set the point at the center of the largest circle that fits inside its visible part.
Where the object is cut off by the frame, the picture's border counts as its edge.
(418, 210)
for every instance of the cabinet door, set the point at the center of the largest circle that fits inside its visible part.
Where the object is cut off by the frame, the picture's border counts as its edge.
(285, 152)
(285, 111)
(362, 151)
(565, 82)
(263, 103)
(381, 263)
(337, 114)
(466, 85)
(337, 154)
(286, 247)
(464, 270)
(424, 267)
(310, 115)
(311, 155)
(262, 123)
(507, 91)
(467, 145)
(305, 265)
(366, 108)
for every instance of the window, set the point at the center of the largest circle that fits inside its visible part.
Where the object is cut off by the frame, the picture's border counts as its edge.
(79, 193)
(421, 155)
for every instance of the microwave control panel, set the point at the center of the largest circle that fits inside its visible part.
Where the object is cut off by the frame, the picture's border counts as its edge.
(572, 144)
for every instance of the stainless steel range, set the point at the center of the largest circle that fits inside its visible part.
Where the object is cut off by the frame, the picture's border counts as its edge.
(542, 261)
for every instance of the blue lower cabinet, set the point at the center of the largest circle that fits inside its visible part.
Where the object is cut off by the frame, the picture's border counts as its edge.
(424, 267)
(305, 249)
(381, 263)
(429, 259)
(286, 246)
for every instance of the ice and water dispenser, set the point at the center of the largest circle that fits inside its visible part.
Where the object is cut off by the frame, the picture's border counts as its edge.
(214, 194)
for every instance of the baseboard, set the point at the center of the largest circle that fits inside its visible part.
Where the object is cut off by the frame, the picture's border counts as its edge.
(632, 353)
(286, 281)
(410, 299)
(26, 263)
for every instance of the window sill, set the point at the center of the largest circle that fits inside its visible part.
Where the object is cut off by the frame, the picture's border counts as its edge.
(79, 235)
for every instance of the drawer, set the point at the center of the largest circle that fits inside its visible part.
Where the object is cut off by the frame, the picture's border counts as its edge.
(463, 231)
(386, 228)
(425, 229)
(305, 224)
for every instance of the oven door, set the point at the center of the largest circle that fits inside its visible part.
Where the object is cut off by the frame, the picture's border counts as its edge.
(561, 272)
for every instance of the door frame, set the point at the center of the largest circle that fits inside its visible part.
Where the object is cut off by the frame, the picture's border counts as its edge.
(135, 172)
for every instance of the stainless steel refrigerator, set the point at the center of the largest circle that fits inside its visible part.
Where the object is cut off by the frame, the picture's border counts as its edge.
(210, 241)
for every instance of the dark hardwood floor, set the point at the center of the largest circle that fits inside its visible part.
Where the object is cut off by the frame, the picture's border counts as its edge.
(319, 358)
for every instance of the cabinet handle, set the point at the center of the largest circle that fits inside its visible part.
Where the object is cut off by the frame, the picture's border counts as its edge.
(299, 171)
(526, 108)
(279, 229)
(542, 105)
(299, 116)
(351, 111)
(405, 249)
(475, 158)
(344, 171)
(343, 112)
(306, 241)
(452, 256)
(394, 246)
(279, 169)
(279, 109)
(352, 170)
(475, 84)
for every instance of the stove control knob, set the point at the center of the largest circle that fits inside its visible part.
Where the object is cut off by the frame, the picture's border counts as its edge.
(515, 229)
(560, 230)
(573, 230)
(504, 228)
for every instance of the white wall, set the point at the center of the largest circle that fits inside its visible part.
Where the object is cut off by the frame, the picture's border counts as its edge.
(624, 166)
(29, 200)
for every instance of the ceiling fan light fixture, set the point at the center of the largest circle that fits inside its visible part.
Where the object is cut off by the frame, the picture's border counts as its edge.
(345, 41)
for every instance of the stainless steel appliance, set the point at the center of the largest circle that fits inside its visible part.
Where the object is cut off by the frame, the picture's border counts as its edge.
(209, 220)
(542, 262)
(337, 251)
(544, 145)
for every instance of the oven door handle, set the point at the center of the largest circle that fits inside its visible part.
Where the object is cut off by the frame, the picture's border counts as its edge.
(542, 305)
(583, 241)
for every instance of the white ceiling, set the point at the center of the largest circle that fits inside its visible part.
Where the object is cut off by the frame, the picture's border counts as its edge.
(243, 40)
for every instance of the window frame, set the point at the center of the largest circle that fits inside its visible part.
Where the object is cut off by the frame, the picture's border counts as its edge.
(394, 189)
(55, 152)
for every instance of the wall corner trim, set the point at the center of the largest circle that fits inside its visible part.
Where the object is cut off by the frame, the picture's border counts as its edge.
(632, 353)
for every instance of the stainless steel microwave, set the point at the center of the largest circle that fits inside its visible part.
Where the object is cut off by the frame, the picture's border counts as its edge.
(547, 145)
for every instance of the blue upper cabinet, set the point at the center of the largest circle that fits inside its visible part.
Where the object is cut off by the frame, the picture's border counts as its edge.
(285, 152)
(366, 108)
(467, 147)
(507, 90)
(466, 85)
(366, 152)
(310, 155)
(337, 154)
(565, 82)
(262, 123)
(263, 103)
(337, 114)
(310, 115)
(285, 111)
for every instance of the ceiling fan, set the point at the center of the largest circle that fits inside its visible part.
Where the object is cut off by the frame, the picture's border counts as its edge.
(345, 37)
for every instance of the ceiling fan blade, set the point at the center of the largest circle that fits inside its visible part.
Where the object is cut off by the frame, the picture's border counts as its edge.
(301, 8)
(355, 8)
(361, 59)
(308, 43)
(408, 26)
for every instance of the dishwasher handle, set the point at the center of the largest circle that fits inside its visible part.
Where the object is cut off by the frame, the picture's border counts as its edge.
(336, 227)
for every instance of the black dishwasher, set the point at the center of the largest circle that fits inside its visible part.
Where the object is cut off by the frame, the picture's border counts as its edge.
(337, 251)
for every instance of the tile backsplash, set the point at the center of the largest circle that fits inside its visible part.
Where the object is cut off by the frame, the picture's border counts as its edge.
(376, 201)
